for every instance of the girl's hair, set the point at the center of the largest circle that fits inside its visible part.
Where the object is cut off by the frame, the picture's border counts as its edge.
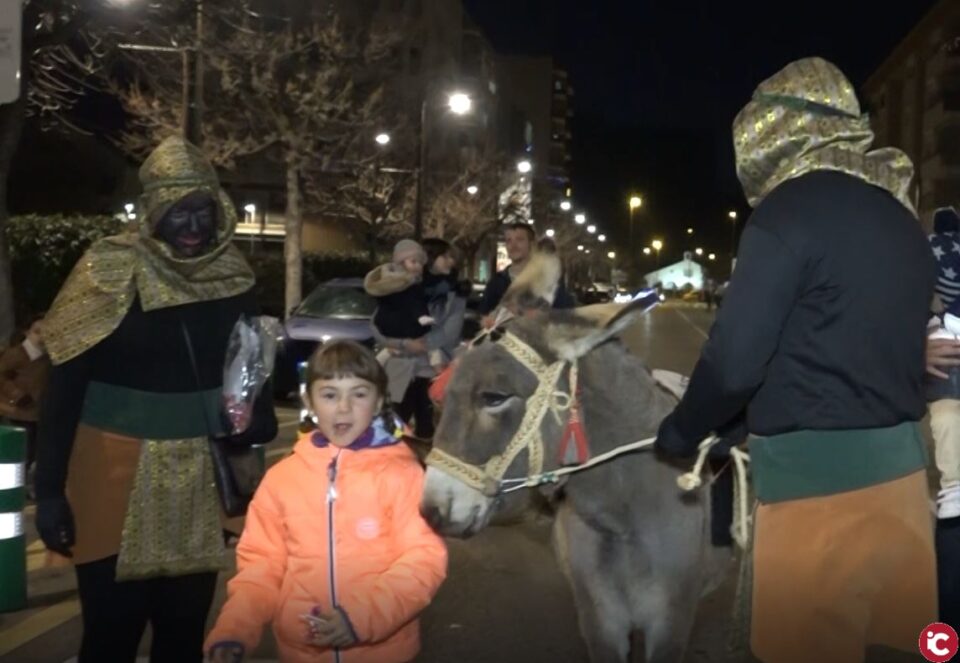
(342, 359)
(434, 248)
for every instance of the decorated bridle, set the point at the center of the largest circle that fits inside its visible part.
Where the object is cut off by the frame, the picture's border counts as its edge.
(548, 398)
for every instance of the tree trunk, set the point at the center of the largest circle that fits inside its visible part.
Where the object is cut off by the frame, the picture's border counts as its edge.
(372, 243)
(11, 127)
(293, 240)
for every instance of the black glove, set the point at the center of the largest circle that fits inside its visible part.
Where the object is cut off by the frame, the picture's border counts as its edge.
(672, 442)
(55, 525)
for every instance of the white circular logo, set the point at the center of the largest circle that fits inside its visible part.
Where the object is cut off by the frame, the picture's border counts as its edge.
(368, 528)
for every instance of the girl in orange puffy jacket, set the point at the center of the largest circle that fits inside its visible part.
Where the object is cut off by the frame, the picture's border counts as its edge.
(334, 550)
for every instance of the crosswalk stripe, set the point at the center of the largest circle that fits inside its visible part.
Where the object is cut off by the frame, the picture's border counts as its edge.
(36, 625)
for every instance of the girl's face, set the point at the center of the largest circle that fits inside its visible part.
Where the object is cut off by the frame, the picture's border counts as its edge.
(344, 408)
(444, 264)
(413, 266)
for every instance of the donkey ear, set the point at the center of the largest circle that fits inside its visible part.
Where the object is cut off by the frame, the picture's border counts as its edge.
(571, 340)
(536, 286)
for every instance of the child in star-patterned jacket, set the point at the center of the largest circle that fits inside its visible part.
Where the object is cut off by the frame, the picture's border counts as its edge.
(944, 394)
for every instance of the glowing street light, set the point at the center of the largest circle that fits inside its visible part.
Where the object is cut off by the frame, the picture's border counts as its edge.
(473, 189)
(657, 245)
(591, 229)
(712, 256)
(732, 214)
(587, 251)
(250, 208)
(580, 219)
(460, 103)
(566, 205)
(579, 247)
(524, 167)
(689, 231)
(646, 250)
(699, 251)
(382, 139)
(612, 255)
(635, 202)
(602, 238)
(550, 232)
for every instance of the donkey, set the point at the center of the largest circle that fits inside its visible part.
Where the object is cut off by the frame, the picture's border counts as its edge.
(635, 550)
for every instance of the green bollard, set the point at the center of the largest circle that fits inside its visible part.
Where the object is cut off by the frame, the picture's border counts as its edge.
(13, 542)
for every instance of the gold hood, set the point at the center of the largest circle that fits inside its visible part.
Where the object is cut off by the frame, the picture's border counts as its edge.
(116, 270)
(806, 118)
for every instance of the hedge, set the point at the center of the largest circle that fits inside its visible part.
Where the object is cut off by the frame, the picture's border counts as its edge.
(43, 250)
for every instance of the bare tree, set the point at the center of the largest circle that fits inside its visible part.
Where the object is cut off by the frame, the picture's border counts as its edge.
(53, 38)
(466, 208)
(298, 89)
(373, 185)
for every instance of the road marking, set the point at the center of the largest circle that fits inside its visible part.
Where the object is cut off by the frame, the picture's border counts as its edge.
(36, 625)
(690, 322)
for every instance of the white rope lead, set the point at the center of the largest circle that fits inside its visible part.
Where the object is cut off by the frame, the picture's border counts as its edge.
(687, 482)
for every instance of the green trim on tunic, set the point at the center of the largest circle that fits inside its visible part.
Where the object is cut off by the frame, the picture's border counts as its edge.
(815, 463)
(152, 415)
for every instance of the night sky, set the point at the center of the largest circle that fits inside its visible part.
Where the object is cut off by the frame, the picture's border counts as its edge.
(658, 83)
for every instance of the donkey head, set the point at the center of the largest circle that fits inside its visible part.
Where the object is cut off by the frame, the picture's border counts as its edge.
(485, 404)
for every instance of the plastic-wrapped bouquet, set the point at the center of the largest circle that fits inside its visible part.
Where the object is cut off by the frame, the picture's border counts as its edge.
(250, 357)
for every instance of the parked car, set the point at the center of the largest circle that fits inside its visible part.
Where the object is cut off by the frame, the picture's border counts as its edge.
(339, 308)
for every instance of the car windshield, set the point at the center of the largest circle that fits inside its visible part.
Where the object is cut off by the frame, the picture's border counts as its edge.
(343, 302)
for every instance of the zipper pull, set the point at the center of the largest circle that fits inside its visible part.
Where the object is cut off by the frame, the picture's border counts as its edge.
(332, 479)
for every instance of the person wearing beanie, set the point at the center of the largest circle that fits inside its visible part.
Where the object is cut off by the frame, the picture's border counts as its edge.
(398, 287)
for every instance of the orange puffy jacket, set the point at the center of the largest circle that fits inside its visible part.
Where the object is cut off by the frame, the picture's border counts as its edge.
(330, 527)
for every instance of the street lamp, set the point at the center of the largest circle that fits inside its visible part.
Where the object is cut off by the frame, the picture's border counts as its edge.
(646, 250)
(712, 256)
(524, 167)
(699, 251)
(635, 202)
(732, 214)
(473, 189)
(612, 255)
(657, 245)
(689, 231)
(591, 229)
(602, 238)
(566, 205)
(382, 138)
(580, 219)
(579, 247)
(550, 232)
(458, 103)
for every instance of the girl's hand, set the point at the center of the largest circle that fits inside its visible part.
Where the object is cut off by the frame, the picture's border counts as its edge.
(329, 631)
(225, 652)
(942, 354)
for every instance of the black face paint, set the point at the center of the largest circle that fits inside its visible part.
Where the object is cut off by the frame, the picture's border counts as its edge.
(190, 226)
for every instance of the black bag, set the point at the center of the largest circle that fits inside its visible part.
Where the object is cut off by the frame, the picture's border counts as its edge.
(237, 468)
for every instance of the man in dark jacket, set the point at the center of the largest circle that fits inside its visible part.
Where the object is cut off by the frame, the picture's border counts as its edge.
(821, 339)
(519, 238)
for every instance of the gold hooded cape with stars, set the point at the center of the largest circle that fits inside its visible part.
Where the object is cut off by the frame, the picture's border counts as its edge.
(115, 270)
(806, 118)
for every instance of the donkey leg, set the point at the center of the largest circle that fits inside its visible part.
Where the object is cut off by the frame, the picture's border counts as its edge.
(603, 615)
(669, 618)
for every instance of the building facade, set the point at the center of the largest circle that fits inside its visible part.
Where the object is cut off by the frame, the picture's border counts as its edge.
(914, 103)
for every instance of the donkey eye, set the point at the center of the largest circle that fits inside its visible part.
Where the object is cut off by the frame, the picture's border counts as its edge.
(494, 399)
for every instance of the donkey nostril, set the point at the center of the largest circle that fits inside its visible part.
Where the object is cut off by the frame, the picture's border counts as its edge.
(432, 515)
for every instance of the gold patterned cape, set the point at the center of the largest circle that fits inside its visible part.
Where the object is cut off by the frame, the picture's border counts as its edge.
(115, 270)
(806, 118)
